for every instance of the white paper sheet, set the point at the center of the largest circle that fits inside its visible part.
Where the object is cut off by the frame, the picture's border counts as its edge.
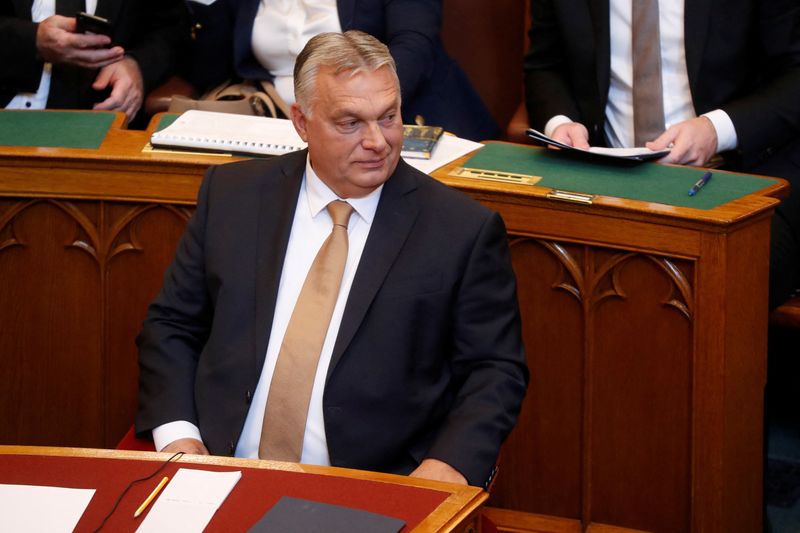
(448, 149)
(34, 509)
(189, 501)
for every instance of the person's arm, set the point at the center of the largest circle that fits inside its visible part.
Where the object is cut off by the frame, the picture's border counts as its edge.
(412, 29)
(488, 361)
(768, 116)
(175, 331)
(179, 436)
(548, 92)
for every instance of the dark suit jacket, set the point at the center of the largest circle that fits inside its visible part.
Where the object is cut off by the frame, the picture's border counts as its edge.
(154, 32)
(428, 360)
(432, 84)
(742, 56)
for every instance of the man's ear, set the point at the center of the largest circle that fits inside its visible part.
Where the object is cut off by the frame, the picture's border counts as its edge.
(300, 122)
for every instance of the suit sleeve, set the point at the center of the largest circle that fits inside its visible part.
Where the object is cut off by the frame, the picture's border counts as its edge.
(22, 68)
(767, 118)
(162, 40)
(548, 90)
(488, 360)
(175, 330)
(412, 35)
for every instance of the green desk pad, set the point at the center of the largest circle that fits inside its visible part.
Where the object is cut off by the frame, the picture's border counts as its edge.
(166, 120)
(647, 182)
(54, 129)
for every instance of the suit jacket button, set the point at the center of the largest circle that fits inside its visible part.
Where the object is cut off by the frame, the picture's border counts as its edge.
(231, 447)
(248, 397)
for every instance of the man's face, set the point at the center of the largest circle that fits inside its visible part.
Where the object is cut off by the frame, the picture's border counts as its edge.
(354, 131)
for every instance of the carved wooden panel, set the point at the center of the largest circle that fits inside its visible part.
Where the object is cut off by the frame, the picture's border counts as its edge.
(143, 240)
(77, 276)
(50, 346)
(609, 396)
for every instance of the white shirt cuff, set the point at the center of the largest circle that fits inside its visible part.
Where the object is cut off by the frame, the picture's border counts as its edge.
(726, 133)
(555, 122)
(172, 431)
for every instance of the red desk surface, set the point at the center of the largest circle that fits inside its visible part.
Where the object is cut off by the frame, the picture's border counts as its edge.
(256, 492)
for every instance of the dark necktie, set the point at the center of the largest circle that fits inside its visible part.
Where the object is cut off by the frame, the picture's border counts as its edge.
(648, 99)
(290, 390)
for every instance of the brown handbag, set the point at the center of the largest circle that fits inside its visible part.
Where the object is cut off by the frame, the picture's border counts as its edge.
(249, 97)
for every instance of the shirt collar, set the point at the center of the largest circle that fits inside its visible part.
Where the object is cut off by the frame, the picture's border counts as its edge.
(320, 195)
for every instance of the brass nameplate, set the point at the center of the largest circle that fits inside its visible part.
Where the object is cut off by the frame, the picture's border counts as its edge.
(495, 175)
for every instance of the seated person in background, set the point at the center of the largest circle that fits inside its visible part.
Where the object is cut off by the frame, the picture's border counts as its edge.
(256, 40)
(46, 64)
(723, 82)
(408, 359)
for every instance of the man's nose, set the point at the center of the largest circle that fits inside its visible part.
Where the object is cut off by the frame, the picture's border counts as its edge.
(373, 137)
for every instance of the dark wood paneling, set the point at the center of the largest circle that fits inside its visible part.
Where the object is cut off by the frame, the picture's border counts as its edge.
(486, 38)
(545, 447)
(51, 371)
(640, 367)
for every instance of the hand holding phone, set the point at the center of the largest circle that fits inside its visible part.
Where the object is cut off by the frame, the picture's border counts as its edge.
(86, 23)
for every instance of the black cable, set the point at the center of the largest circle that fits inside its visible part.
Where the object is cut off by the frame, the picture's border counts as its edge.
(131, 484)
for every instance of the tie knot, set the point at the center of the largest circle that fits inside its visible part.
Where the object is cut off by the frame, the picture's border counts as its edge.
(340, 212)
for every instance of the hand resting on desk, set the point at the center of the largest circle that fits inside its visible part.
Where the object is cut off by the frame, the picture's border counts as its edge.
(692, 142)
(192, 446)
(438, 471)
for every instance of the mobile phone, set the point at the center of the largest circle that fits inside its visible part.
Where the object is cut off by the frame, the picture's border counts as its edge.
(86, 23)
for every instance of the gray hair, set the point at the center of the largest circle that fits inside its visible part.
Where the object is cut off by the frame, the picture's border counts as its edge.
(353, 51)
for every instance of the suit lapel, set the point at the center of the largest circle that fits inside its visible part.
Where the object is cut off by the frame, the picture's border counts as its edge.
(393, 221)
(275, 216)
(696, 17)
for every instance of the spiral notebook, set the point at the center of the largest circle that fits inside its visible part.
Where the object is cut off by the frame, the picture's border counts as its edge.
(226, 132)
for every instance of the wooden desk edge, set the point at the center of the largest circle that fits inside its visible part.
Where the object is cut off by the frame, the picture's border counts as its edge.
(734, 211)
(461, 503)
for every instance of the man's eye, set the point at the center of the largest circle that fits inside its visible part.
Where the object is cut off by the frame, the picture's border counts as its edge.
(389, 119)
(348, 124)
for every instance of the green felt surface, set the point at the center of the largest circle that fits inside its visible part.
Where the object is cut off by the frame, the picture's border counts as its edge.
(648, 182)
(166, 120)
(56, 129)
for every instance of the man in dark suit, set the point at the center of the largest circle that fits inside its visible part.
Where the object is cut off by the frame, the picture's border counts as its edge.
(422, 370)
(731, 80)
(39, 46)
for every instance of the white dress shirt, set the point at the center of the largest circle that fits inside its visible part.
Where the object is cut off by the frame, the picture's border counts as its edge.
(311, 226)
(280, 31)
(40, 10)
(678, 104)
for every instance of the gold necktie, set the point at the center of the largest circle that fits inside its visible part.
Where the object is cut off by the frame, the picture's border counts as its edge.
(290, 391)
(648, 100)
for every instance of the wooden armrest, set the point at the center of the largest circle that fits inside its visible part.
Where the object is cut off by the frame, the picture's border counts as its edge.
(158, 99)
(515, 131)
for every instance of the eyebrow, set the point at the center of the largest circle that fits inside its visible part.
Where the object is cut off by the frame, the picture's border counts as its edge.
(347, 112)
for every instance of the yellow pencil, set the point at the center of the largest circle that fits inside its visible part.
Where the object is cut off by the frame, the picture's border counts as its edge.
(152, 496)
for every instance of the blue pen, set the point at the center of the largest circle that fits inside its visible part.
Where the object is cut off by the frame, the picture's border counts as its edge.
(699, 184)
